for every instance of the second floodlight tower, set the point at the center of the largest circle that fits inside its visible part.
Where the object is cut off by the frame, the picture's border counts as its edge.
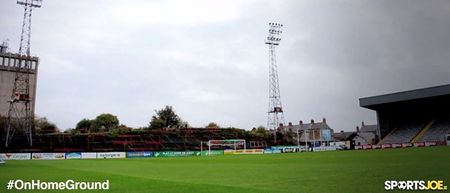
(275, 113)
(21, 105)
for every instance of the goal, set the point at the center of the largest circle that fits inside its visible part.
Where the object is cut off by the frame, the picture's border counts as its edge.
(227, 143)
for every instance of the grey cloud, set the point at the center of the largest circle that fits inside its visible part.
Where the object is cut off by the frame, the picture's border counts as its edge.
(332, 53)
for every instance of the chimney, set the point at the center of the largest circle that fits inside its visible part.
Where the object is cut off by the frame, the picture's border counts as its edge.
(301, 122)
(3, 47)
(362, 124)
(324, 120)
(312, 121)
(357, 128)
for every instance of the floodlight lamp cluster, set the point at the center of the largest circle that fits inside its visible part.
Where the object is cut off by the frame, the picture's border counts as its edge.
(276, 25)
(273, 38)
(274, 31)
(30, 3)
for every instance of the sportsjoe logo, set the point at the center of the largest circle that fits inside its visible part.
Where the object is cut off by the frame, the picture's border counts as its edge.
(434, 185)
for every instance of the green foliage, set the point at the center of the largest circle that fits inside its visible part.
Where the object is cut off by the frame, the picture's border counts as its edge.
(166, 118)
(14, 124)
(261, 131)
(156, 123)
(106, 121)
(44, 126)
(120, 130)
(212, 125)
(84, 124)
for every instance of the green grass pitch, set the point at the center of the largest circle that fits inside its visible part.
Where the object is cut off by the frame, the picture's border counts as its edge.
(325, 172)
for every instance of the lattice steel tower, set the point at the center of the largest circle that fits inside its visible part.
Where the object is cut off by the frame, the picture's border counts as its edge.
(19, 113)
(275, 113)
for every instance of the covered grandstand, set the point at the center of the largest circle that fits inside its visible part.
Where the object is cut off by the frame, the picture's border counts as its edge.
(415, 116)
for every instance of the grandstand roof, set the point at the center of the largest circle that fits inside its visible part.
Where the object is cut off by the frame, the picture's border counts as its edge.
(437, 91)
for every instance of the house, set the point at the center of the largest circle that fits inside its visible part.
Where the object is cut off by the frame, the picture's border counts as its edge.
(317, 132)
(366, 135)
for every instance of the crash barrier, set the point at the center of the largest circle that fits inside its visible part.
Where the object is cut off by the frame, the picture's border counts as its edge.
(176, 153)
(287, 149)
(150, 154)
(48, 156)
(325, 148)
(108, 155)
(15, 156)
(140, 154)
(398, 145)
(244, 151)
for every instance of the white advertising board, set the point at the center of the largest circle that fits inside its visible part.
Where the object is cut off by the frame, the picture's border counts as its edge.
(15, 156)
(88, 155)
(47, 156)
(110, 155)
(324, 148)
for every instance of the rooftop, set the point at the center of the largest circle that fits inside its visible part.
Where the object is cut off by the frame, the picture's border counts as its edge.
(437, 91)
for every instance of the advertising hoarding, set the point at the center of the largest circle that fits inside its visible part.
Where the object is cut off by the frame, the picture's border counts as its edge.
(385, 146)
(88, 155)
(15, 156)
(213, 152)
(139, 154)
(396, 145)
(325, 148)
(73, 155)
(110, 155)
(48, 156)
(242, 151)
(176, 153)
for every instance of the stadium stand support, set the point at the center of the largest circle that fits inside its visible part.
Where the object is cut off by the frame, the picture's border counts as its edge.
(382, 141)
(404, 133)
(437, 132)
(421, 133)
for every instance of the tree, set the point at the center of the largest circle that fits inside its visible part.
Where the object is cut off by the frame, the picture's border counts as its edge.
(261, 131)
(44, 126)
(84, 124)
(106, 120)
(212, 125)
(166, 118)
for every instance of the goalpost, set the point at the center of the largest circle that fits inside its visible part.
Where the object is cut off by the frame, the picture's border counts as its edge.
(233, 143)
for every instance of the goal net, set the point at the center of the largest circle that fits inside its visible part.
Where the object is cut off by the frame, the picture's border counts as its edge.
(226, 144)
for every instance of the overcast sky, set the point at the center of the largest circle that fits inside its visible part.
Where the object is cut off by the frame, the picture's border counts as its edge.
(208, 58)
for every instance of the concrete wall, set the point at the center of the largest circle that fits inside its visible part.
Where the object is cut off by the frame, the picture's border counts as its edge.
(7, 76)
